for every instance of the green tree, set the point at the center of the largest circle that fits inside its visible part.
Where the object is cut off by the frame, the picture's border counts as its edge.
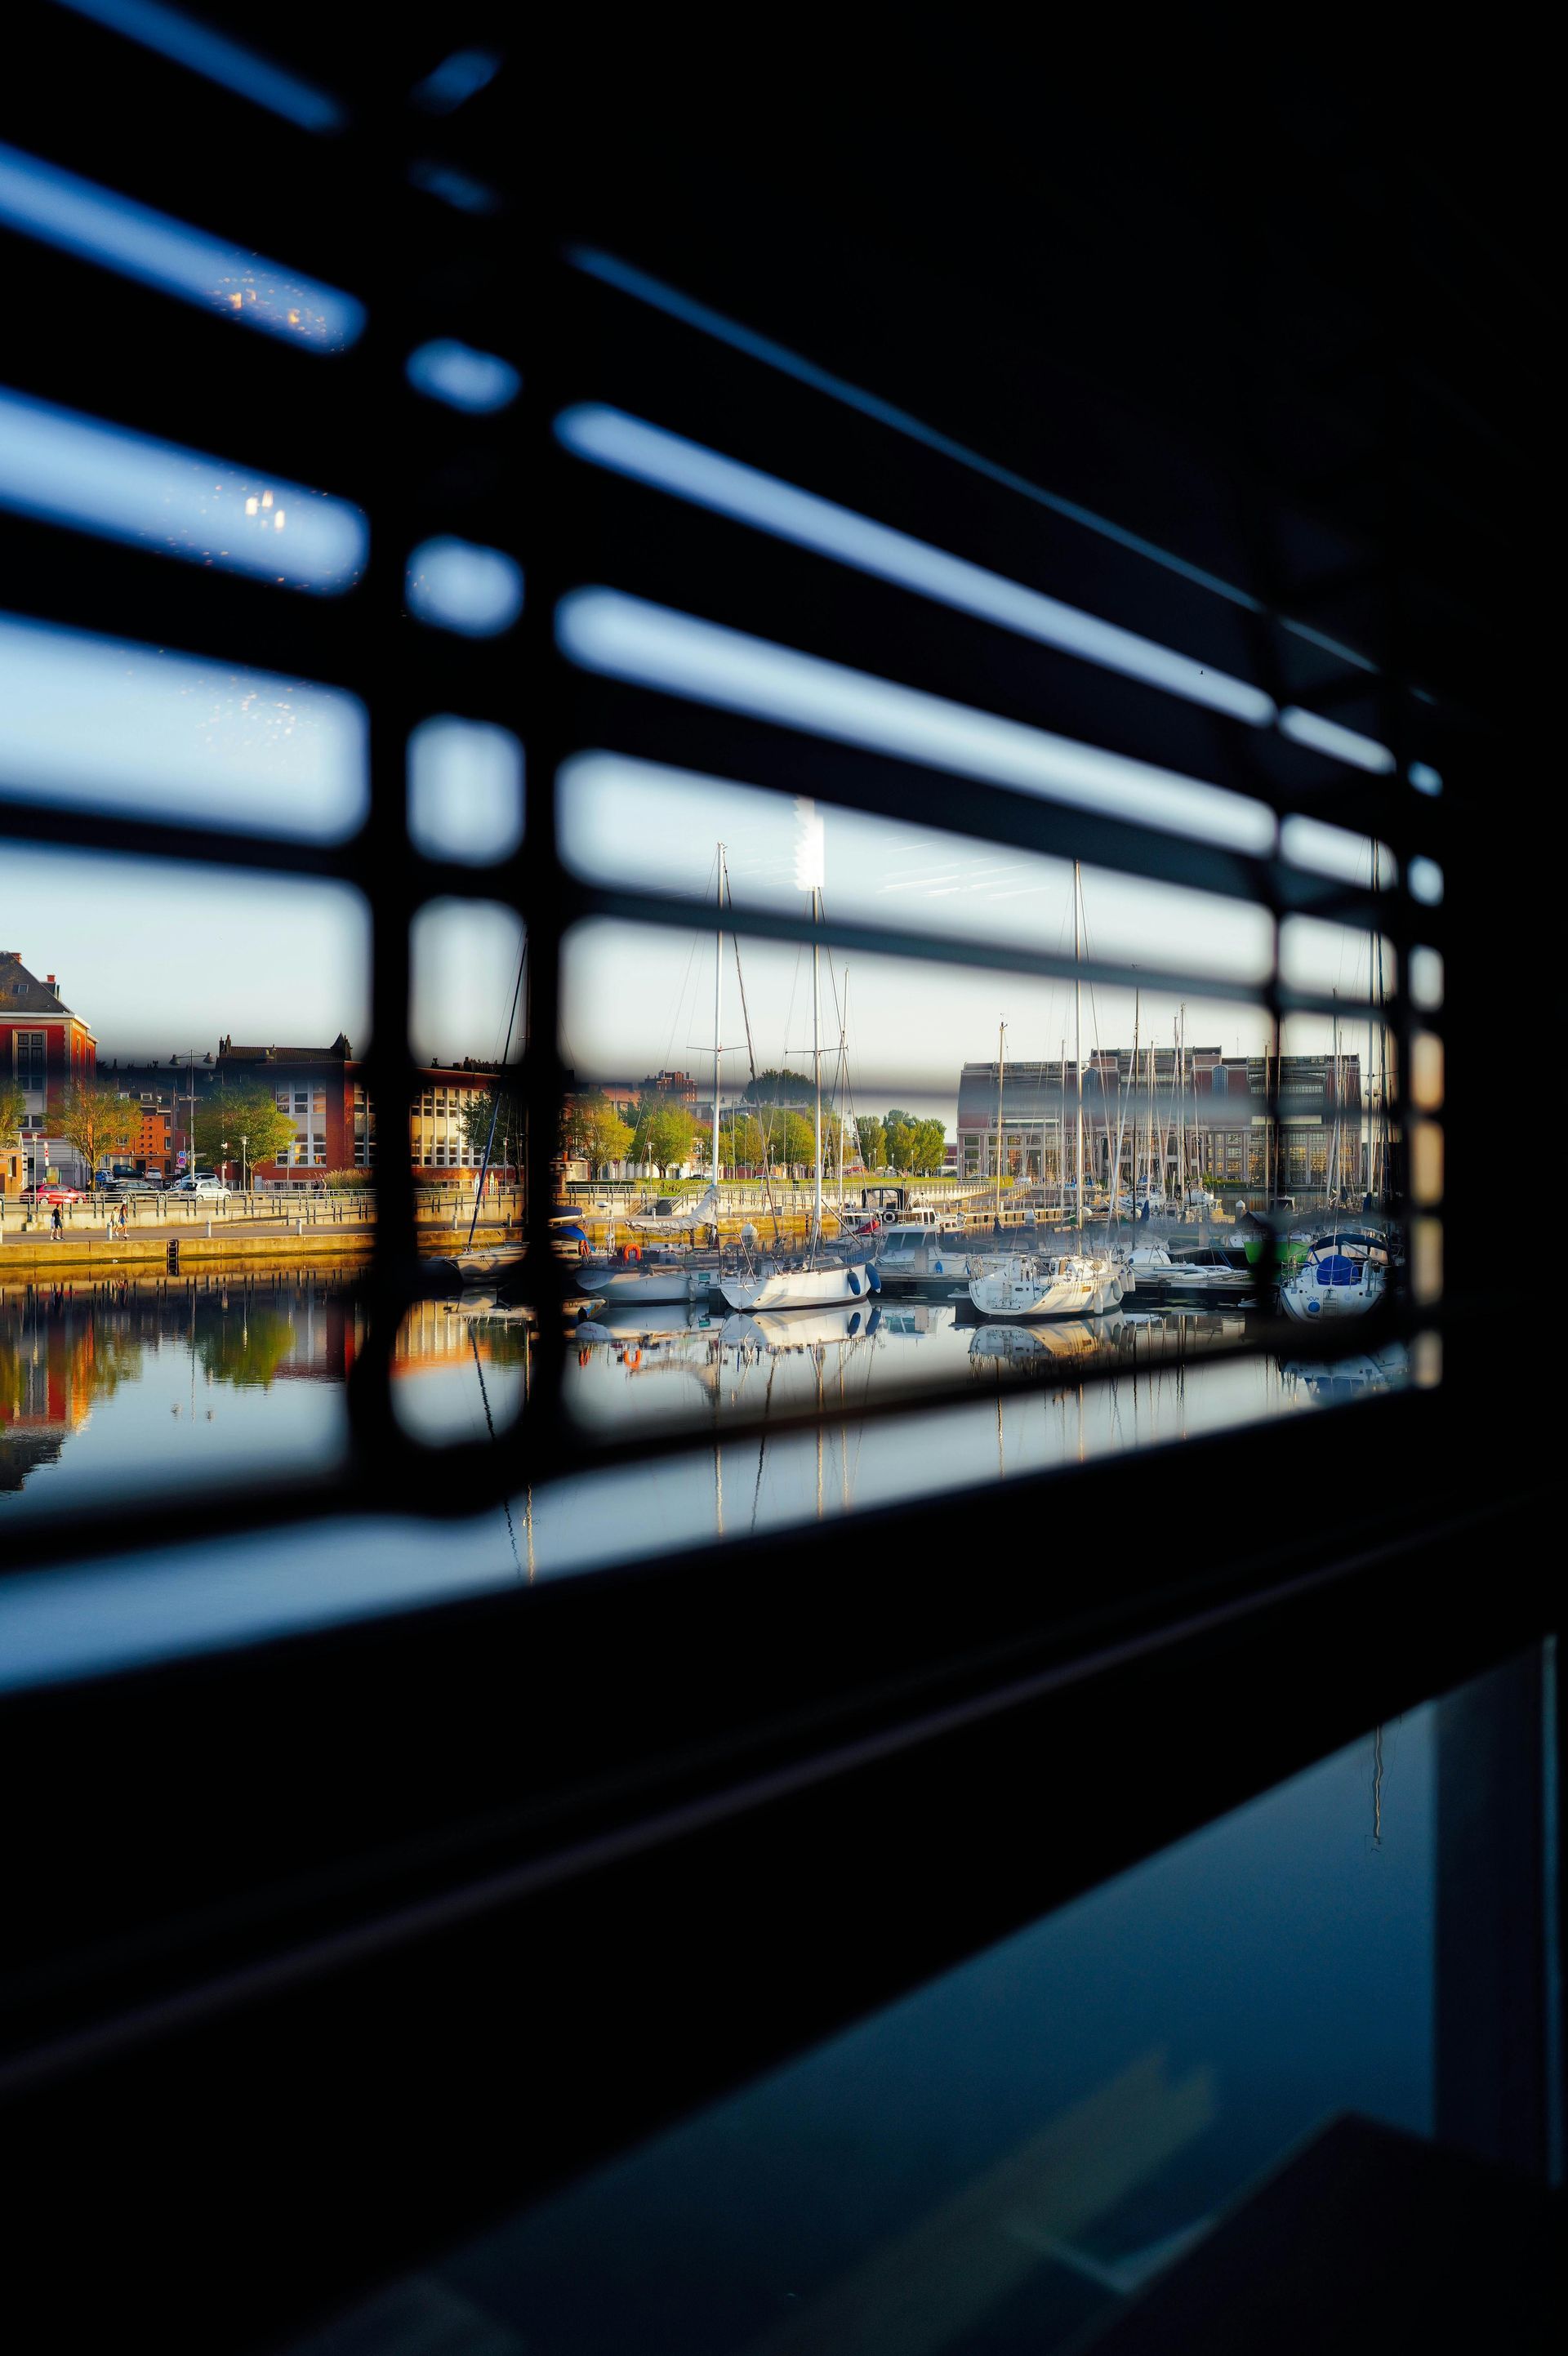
(664, 1138)
(872, 1142)
(778, 1088)
(13, 1112)
(795, 1141)
(745, 1142)
(510, 1129)
(241, 1125)
(928, 1148)
(899, 1132)
(97, 1120)
(597, 1132)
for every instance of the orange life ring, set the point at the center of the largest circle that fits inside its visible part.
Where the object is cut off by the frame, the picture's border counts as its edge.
(632, 1360)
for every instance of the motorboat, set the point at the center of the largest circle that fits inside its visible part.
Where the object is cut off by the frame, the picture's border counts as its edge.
(1341, 1276)
(922, 1248)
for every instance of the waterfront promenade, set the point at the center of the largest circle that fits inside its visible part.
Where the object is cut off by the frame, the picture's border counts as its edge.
(249, 1228)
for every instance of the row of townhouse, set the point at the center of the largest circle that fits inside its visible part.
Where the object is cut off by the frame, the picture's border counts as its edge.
(46, 1049)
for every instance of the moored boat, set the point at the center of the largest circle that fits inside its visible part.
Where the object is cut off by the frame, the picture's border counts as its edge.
(1341, 1276)
(1046, 1284)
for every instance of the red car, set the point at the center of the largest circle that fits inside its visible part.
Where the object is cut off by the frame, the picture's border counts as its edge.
(55, 1193)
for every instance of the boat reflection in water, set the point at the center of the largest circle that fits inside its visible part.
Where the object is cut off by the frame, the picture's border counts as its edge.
(1031, 1349)
(1365, 1372)
(110, 1390)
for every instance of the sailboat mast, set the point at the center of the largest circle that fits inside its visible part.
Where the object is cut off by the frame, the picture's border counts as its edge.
(1001, 1077)
(718, 1034)
(1372, 1185)
(817, 1061)
(1077, 1033)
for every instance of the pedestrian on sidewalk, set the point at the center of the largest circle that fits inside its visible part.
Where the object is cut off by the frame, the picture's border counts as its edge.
(57, 1222)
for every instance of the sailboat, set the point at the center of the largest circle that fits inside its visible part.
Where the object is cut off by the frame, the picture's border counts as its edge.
(1345, 1274)
(1079, 1283)
(674, 1276)
(817, 1280)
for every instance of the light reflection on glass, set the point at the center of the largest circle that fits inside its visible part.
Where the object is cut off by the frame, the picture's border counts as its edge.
(476, 382)
(98, 723)
(104, 479)
(99, 225)
(455, 585)
(626, 637)
(217, 59)
(627, 445)
(464, 790)
(1341, 743)
(455, 79)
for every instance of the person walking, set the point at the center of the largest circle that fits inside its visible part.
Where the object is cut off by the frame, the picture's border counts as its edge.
(57, 1223)
(124, 1218)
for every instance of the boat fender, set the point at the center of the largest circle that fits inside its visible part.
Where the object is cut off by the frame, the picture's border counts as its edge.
(875, 1320)
(872, 1278)
(853, 1279)
(854, 1322)
(939, 1268)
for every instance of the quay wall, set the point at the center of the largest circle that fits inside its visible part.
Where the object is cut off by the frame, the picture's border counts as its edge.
(24, 1257)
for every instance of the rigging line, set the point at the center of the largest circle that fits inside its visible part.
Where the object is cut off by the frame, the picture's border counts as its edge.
(496, 1097)
(751, 1066)
(506, 1501)
(762, 1440)
(711, 877)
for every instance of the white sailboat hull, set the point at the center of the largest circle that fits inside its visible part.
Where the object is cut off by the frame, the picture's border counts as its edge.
(803, 1330)
(797, 1287)
(1312, 1304)
(626, 1287)
(1024, 1285)
(1336, 1280)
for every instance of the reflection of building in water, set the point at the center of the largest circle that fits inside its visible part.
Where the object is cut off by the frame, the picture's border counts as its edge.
(64, 1347)
(45, 1376)
(431, 1335)
(1214, 1123)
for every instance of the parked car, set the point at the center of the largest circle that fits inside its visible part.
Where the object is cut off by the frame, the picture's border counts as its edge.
(204, 1189)
(132, 1186)
(52, 1193)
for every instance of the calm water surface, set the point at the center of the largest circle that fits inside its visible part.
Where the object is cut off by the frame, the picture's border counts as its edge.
(157, 1386)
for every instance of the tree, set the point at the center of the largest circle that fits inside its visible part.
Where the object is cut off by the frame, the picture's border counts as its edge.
(664, 1138)
(745, 1143)
(778, 1088)
(509, 1126)
(899, 1130)
(97, 1120)
(241, 1126)
(929, 1148)
(795, 1140)
(597, 1132)
(872, 1142)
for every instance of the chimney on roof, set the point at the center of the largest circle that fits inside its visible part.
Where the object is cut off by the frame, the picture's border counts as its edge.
(49, 980)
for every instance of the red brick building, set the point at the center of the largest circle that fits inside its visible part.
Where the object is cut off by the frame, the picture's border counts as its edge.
(44, 1048)
(323, 1091)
